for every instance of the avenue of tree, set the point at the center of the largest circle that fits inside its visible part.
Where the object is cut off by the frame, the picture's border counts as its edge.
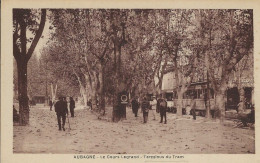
(104, 52)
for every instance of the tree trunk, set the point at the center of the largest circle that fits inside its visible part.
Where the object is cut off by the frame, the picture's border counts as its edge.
(22, 92)
(207, 67)
(207, 103)
(220, 103)
(116, 104)
(53, 92)
(179, 102)
(94, 101)
(94, 93)
(207, 98)
(158, 86)
(22, 57)
(102, 102)
(83, 90)
(91, 87)
(83, 93)
(241, 107)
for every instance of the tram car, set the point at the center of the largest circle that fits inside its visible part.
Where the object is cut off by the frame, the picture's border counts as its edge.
(197, 91)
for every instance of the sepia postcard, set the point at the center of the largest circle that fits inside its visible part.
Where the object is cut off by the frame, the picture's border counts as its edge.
(130, 81)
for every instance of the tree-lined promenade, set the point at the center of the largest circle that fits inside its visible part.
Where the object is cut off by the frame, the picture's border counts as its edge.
(100, 53)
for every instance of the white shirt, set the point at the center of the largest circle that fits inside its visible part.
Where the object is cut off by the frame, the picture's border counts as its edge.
(153, 103)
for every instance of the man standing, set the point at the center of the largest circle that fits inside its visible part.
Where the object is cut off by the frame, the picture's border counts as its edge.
(61, 111)
(72, 106)
(135, 106)
(163, 108)
(65, 103)
(145, 109)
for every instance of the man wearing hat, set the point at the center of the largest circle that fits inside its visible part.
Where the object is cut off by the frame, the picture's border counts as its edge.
(135, 106)
(145, 108)
(61, 110)
(163, 109)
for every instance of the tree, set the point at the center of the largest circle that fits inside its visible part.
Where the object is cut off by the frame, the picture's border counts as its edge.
(243, 77)
(133, 37)
(23, 20)
(87, 42)
(175, 40)
(226, 37)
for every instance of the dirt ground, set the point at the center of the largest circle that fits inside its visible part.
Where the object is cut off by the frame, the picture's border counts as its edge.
(88, 135)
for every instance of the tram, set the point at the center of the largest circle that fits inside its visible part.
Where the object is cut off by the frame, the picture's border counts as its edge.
(198, 91)
(196, 95)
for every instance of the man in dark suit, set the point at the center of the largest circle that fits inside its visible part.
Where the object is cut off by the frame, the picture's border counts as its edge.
(72, 106)
(163, 109)
(135, 106)
(61, 110)
(145, 108)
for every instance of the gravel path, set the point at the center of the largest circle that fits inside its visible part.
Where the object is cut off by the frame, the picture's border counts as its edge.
(92, 136)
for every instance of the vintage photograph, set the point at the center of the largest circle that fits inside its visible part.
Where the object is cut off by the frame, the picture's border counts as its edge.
(133, 81)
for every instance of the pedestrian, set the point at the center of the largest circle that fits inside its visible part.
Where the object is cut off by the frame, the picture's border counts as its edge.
(15, 115)
(153, 107)
(135, 106)
(90, 104)
(61, 110)
(50, 104)
(65, 103)
(188, 110)
(145, 109)
(72, 106)
(163, 108)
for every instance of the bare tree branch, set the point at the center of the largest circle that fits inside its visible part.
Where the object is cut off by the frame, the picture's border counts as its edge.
(38, 35)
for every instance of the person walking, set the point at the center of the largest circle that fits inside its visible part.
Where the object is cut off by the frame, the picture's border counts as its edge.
(135, 106)
(163, 108)
(61, 111)
(50, 104)
(153, 107)
(90, 104)
(145, 108)
(72, 106)
(65, 103)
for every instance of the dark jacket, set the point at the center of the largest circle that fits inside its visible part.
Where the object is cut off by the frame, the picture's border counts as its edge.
(50, 103)
(145, 106)
(72, 104)
(158, 105)
(163, 105)
(61, 107)
(135, 104)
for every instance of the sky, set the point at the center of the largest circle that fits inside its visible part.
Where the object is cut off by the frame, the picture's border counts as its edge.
(43, 41)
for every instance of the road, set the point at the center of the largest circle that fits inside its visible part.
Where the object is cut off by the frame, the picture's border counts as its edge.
(88, 135)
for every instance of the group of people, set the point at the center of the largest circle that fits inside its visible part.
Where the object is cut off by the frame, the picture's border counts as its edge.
(159, 106)
(61, 109)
